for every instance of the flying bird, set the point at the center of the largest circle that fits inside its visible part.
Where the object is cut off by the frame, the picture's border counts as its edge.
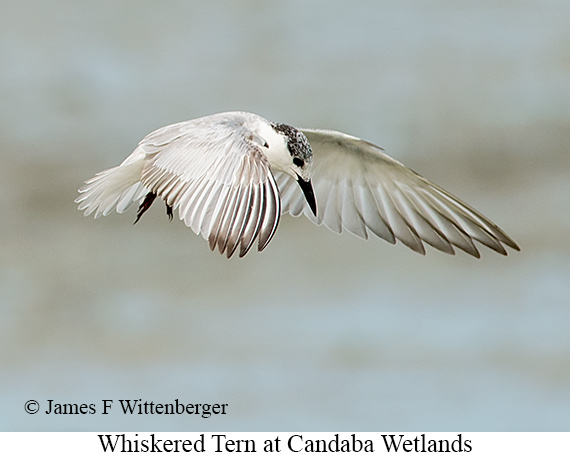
(231, 175)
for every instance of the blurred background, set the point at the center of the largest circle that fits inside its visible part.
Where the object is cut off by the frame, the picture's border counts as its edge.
(319, 332)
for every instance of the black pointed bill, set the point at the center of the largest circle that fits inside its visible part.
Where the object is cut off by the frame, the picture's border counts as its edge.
(307, 189)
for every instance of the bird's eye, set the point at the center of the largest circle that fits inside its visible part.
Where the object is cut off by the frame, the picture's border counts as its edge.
(299, 162)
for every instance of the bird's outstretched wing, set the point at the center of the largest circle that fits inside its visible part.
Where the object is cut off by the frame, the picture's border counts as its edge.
(219, 180)
(362, 190)
(215, 175)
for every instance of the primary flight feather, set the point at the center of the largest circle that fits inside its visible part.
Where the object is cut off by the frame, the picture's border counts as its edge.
(231, 175)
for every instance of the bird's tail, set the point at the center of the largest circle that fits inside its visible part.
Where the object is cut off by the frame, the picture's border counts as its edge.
(115, 188)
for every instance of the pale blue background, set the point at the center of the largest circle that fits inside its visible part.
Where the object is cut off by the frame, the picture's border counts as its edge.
(320, 332)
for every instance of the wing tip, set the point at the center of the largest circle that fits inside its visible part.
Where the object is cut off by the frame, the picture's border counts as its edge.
(512, 244)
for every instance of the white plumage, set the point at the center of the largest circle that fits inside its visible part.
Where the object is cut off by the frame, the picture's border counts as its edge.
(231, 175)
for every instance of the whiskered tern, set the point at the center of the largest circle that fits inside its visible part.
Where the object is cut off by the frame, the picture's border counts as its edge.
(231, 175)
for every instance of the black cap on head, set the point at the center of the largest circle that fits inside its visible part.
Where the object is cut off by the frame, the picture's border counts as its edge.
(297, 142)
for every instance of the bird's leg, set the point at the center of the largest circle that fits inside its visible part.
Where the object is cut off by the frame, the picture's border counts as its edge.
(169, 211)
(145, 205)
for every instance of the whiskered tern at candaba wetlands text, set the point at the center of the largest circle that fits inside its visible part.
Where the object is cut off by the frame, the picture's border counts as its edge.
(231, 175)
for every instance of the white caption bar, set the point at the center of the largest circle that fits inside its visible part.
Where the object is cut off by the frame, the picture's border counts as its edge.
(284, 443)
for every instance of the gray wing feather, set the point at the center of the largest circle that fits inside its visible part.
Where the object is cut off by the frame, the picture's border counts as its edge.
(219, 181)
(271, 214)
(362, 190)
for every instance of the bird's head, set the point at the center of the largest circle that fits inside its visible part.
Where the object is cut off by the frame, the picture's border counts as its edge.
(298, 161)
